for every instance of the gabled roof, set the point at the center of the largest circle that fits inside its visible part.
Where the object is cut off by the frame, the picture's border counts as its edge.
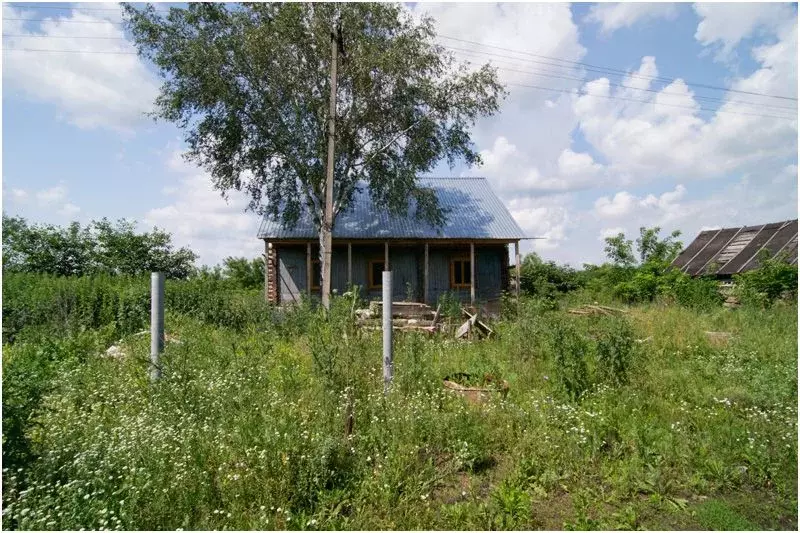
(729, 251)
(475, 212)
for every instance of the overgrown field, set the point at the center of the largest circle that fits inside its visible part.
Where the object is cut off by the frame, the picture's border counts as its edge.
(636, 422)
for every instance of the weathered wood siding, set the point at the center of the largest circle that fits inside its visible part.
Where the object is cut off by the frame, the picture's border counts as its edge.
(407, 265)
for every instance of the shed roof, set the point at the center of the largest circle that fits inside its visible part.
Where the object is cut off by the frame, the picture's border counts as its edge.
(728, 251)
(475, 212)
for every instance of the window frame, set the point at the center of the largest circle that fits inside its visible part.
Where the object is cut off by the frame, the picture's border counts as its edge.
(466, 268)
(375, 284)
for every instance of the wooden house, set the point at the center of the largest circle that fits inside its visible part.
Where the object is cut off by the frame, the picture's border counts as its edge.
(467, 257)
(724, 252)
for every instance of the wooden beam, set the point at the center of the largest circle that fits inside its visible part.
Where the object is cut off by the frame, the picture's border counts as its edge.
(519, 268)
(386, 256)
(349, 264)
(425, 277)
(472, 273)
(309, 269)
(266, 271)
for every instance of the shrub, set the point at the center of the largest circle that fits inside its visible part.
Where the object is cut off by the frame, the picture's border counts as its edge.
(546, 279)
(614, 350)
(570, 351)
(773, 279)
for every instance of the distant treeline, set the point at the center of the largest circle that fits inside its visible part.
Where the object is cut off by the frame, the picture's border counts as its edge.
(115, 249)
(641, 272)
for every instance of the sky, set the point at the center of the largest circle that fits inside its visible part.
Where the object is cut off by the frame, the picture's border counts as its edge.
(682, 116)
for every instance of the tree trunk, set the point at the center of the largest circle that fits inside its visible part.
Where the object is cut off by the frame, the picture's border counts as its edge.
(326, 228)
(325, 262)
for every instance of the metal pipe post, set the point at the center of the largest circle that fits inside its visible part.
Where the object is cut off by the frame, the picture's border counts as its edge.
(156, 323)
(386, 306)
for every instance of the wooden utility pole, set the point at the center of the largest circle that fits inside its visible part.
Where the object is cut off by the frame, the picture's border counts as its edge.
(327, 224)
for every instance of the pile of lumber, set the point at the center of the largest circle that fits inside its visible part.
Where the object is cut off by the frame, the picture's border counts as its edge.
(406, 316)
(472, 327)
(586, 310)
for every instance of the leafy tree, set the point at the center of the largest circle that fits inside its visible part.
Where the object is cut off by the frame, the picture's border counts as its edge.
(546, 278)
(244, 273)
(620, 250)
(98, 247)
(774, 278)
(120, 250)
(46, 248)
(250, 85)
(650, 247)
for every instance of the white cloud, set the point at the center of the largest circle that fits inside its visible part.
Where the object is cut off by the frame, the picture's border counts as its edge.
(610, 232)
(19, 195)
(612, 17)
(69, 209)
(547, 219)
(53, 195)
(44, 201)
(91, 90)
(726, 24)
(625, 204)
(198, 216)
(644, 140)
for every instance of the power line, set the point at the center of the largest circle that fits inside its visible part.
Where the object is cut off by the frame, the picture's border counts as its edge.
(611, 97)
(76, 9)
(67, 51)
(63, 37)
(67, 21)
(656, 91)
(591, 67)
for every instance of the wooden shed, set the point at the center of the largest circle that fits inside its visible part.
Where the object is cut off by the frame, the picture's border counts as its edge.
(467, 257)
(728, 251)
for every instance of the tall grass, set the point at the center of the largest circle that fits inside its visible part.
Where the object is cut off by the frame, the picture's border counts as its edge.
(250, 426)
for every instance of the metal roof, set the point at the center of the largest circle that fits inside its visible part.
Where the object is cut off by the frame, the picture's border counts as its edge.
(728, 251)
(475, 212)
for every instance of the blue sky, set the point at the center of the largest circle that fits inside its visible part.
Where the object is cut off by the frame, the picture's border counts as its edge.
(571, 166)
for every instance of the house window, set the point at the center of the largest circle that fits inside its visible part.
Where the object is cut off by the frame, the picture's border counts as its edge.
(316, 274)
(460, 273)
(376, 274)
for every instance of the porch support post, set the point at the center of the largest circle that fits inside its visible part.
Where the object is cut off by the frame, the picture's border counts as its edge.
(472, 273)
(425, 277)
(386, 256)
(519, 268)
(266, 271)
(309, 270)
(349, 264)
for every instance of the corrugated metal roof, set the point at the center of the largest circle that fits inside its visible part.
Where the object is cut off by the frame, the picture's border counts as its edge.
(475, 212)
(729, 251)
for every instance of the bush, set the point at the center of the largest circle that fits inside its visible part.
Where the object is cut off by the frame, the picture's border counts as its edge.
(773, 279)
(76, 303)
(546, 279)
(571, 352)
(614, 351)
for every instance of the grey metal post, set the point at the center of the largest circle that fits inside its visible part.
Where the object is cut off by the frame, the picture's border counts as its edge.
(156, 323)
(387, 330)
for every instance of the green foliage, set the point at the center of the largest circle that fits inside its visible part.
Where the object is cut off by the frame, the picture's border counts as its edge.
(244, 273)
(615, 350)
(282, 423)
(75, 304)
(620, 250)
(546, 279)
(98, 248)
(774, 278)
(652, 249)
(571, 354)
(449, 305)
(716, 515)
(250, 87)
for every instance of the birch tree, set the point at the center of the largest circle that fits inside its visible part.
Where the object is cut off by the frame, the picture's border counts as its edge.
(249, 84)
